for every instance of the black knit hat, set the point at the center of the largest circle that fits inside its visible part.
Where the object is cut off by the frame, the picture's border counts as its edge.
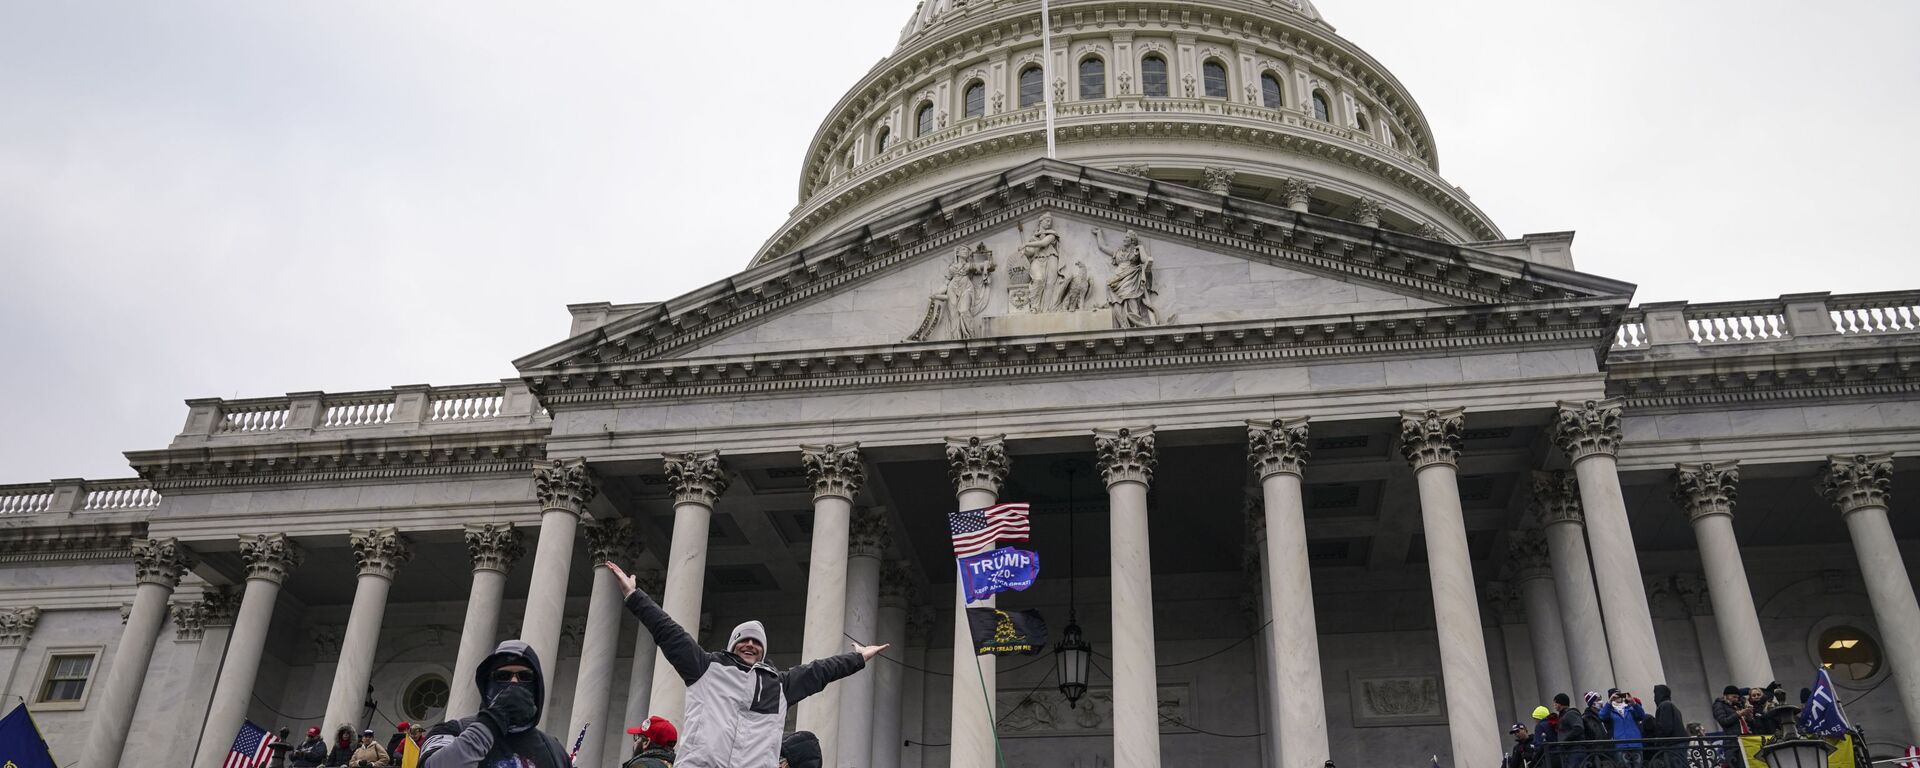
(1563, 700)
(1732, 690)
(801, 749)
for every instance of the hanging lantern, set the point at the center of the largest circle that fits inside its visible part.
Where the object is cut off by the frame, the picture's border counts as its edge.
(1072, 658)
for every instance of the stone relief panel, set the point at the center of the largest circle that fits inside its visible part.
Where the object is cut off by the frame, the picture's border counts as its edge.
(1388, 698)
(1045, 712)
(1054, 273)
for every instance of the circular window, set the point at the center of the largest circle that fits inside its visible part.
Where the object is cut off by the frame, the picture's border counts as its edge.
(1848, 653)
(426, 697)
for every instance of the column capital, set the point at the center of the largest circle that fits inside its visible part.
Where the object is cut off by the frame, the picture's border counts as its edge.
(189, 621)
(1858, 481)
(1277, 447)
(1432, 436)
(161, 561)
(1366, 212)
(1125, 455)
(1509, 606)
(380, 551)
(896, 583)
(870, 535)
(220, 605)
(1691, 588)
(977, 463)
(1556, 498)
(1706, 488)
(1588, 428)
(1527, 556)
(612, 539)
(564, 484)
(1219, 181)
(834, 470)
(495, 546)
(16, 626)
(697, 477)
(1299, 192)
(269, 556)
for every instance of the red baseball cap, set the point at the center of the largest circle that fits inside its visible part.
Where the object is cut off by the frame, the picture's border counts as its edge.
(657, 730)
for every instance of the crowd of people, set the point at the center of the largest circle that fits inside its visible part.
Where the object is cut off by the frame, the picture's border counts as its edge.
(1564, 735)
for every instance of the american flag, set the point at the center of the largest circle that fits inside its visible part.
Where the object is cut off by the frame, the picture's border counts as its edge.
(976, 530)
(249, 748)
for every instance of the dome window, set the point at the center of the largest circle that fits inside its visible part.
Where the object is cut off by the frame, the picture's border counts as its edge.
(1214, 77)
(880, 140)
(1322, 111)
(976, 98)
(1032, 88)
(923, 119)
(1153, 76)
(1093, 78)
(1270, 92)
(1360, 121)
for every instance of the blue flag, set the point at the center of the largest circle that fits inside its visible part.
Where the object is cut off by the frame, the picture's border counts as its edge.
(998, 571)
(1822, 715)
(20, 742)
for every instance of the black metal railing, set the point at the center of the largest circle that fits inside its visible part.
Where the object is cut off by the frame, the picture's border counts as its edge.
(1705, 751)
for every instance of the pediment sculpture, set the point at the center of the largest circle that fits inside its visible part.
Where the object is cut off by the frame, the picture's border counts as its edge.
(953, 311)
(1130, 291)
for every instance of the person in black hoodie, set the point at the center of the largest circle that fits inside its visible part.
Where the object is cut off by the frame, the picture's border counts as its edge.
(342, 746)
(502, 733)
(1667, 722)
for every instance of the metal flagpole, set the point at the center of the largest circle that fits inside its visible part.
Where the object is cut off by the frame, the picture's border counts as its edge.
(1046, 70)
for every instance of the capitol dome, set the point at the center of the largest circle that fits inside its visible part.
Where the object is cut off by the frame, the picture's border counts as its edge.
(1259, 99)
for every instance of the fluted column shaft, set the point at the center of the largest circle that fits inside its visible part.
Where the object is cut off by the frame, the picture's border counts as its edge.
(1126, 460)
(1547, 635)
(978, 467)
(698, 479)
(268, 557)
(565, 488)
(836, 475)
(1558, 502)
(158, 566)
(493, 548)
(890, 628)
(380, 552)
(868, 541)
(1707, 492)
(1589, 434)
(640, 674)
(1431, 442)
(608, 539)
(1278, 452)
(1859, 487)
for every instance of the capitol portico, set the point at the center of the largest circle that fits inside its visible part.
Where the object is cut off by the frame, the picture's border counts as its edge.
(1324, 465)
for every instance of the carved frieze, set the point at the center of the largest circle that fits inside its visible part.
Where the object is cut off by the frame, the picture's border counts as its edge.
(380, 551)
(269, 556)
(833, 470)
(1277, 447)
(1857, 481)
(161, 561)
(494, 546)
(1044, 711)
(1431, 436)
(697, 477)
(1125, 455)
(1706, 488)
(977, 463)
(1132, 169)
(564, 484)
(1396, 699)
(953, 311)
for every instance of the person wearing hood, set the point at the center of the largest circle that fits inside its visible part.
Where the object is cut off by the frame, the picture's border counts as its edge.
(1667, 721)
(342, 746)
(801, 749)
(736, 701)
(503, 733)
(1544, 722)
(311, 753)
(1623, 714)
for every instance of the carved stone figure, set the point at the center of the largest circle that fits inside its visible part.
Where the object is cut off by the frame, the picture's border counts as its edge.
(1130, 290)
(953, 311)
(1042, 252)
(1075, 284)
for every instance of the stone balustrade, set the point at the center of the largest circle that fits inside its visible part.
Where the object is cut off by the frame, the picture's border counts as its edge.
(1781, 320)
(75, 495)
(400, 410)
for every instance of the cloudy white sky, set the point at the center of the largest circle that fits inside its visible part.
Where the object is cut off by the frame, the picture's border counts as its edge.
(245, 199)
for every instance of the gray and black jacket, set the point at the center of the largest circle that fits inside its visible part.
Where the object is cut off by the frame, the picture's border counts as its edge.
(735, 711)
(477, 742)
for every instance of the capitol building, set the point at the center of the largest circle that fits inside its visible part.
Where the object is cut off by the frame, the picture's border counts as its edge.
(1323, 464)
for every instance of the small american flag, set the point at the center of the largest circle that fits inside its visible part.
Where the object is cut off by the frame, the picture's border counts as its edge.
(976, 530)
(250, 748)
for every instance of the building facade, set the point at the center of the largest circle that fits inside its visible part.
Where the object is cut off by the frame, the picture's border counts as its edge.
(1359, 477)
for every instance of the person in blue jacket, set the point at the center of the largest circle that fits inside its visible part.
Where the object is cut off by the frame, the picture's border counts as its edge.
(1623, 716)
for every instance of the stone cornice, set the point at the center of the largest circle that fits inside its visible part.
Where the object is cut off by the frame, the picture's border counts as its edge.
(70, 543)
(1768, 379)
(335, 461)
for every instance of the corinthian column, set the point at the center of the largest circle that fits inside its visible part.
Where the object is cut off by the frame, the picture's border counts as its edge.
(640, 675)
(269, 557)
(608, 539)
(1529, 565)
(1278, 451)
(1859, 487)
(698, 478)
(867, 543)
(978, 467)
(1589, 434)
(836, 475)
(207, 623)
(896, 589)
(565, 488)
(380, 552)
(1126, 458)
(157, 567)
(1707, 492)
(1430, 441)
(1556, 501)
(494, 548)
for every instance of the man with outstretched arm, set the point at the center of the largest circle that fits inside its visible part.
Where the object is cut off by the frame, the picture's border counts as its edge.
(736, 701)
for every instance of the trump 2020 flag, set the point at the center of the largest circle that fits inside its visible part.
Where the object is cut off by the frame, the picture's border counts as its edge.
(1822, 715)
(20, 742)
(998, 571)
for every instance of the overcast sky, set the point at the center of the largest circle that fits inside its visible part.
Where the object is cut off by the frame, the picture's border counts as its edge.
(246, 199)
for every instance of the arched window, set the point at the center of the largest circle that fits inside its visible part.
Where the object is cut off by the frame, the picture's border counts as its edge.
(923, 119)
(976, 99)
(1214, 77)
(1153, 76)
(1270, 92)
(1093, 78)
(880, 140)
(1032, 86)
(1360, 121)
(1322, 111)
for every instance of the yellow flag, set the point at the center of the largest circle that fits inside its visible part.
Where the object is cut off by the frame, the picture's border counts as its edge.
(409, 753)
